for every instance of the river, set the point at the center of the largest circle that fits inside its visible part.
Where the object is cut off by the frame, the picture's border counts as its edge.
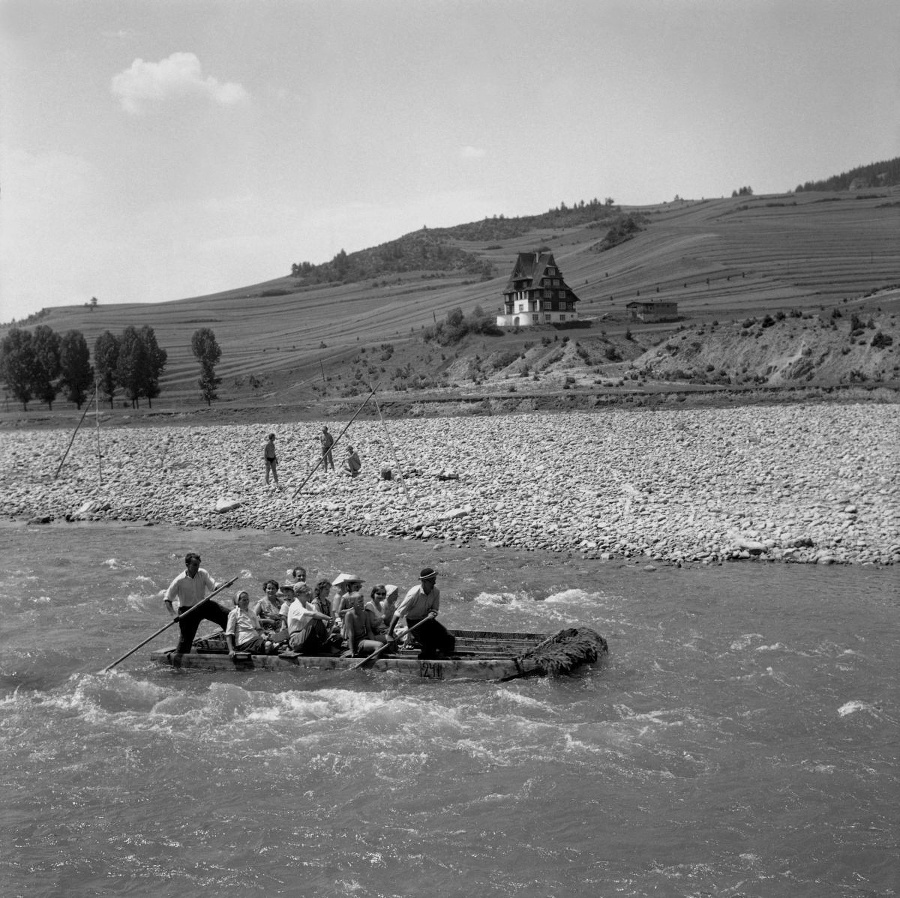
(741, 739)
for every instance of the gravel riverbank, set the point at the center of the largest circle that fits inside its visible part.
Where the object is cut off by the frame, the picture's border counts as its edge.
(813, 483)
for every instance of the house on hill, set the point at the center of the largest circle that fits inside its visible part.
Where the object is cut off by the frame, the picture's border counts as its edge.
(537, 293)
(653, 311)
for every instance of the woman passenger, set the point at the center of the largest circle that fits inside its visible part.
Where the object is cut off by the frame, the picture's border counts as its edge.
(243, 632)
(268, 608)
(357, 628)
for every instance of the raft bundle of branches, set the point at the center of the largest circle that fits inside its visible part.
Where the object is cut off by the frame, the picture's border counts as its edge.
(566, 650)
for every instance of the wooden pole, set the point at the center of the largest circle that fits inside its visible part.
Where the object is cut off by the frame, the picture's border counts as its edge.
(87, 408)
(322, 457)
(171, 623)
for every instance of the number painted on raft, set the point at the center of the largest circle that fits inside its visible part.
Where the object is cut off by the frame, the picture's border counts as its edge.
(431, 670)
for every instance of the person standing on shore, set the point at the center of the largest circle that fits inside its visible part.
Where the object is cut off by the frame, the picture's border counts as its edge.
(271, 460)
(188, 589)
(422, 603)
(327, 441)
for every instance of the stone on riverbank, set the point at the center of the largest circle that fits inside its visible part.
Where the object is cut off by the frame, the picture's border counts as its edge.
(821, 481)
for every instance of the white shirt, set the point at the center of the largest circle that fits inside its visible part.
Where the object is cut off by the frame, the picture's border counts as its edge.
(242, 625)
(300, 616)
(190, 590)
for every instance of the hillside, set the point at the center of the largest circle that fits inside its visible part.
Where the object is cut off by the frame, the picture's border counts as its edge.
(288, 342)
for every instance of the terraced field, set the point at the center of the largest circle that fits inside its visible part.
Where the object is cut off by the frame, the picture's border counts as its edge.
(718, 258)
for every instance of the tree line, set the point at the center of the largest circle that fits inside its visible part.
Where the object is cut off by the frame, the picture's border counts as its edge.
(43, 364)
(876, 174)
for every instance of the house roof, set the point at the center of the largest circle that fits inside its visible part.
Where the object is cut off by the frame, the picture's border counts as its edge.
(532, 268)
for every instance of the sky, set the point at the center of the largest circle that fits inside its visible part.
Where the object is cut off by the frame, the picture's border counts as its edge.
(152, 150)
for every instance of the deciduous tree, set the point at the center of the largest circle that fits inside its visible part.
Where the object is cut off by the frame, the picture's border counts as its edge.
(46, 352)
(156, 363)
(75, 364)
(106, 361)
(131, 368)
(18, 364)
(207, 352)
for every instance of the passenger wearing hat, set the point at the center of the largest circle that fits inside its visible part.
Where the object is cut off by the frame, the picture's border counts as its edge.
(345, 584)
(422, 603)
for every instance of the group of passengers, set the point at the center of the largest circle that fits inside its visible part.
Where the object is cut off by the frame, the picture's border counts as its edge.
(337, 618)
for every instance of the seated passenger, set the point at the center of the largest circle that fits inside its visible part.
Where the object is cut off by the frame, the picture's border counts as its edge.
(304, 636)
(268, 608)
(389, 603)
(345, 584)
(375, 610)
(296, 575)
(321, 603)
(243, 632)
(357, 628)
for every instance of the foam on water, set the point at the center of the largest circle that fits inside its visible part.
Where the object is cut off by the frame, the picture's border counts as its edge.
(854, 707)
(741, 708)
(114, 564)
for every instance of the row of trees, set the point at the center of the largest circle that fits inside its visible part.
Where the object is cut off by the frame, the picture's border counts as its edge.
(41, 364)
(134, 361)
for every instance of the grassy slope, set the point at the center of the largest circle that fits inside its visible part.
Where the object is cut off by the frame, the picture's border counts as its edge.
(758, 254)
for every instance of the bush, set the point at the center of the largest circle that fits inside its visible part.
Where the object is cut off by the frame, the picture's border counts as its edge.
(880, 340)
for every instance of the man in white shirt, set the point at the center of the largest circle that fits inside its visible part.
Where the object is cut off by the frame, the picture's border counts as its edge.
(303, 636)
(422, 603)
(188, 590)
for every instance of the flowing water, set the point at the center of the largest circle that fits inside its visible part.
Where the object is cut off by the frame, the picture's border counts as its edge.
(742, 738)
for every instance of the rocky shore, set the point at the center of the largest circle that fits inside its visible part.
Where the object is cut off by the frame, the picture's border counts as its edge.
(806, 483)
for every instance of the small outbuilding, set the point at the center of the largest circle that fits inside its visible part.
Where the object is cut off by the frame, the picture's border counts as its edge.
(537, 293)
(653, 311)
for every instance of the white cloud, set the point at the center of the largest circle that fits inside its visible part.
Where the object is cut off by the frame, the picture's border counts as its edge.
(468, 152)
(148, 84)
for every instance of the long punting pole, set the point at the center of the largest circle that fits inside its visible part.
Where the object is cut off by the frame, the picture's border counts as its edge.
(171, 623)
(87, 408)
(322, 456)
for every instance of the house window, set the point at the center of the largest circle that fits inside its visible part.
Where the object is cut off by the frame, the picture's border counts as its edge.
(548, 294)
(562, 317)
(516, 322)
(534, 318)
(547, 316)
(555, 282)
